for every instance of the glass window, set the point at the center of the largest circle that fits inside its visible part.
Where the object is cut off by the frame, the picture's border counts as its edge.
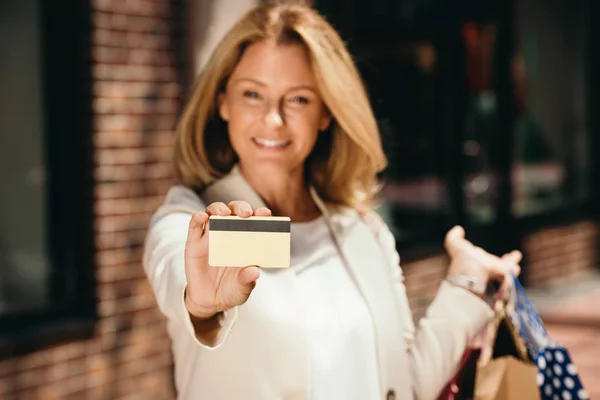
(549, 73)
(46, 209)
(480, 135)
(24, 266)
(402, 85)
(398, 61)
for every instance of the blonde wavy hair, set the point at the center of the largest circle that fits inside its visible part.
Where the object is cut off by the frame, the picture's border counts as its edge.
(347, 157)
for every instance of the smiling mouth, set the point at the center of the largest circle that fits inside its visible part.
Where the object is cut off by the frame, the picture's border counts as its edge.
(271, 144)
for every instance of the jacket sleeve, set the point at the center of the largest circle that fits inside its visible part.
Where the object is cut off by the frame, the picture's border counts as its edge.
(437, 344)
(164, 265)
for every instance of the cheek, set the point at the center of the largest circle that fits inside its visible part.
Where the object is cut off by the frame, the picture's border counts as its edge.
(239, 124)
(311, 125)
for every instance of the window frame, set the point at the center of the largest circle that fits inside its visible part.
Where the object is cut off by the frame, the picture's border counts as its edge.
(68, 151)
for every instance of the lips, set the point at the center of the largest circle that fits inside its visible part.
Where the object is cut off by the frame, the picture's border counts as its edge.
(271, 143)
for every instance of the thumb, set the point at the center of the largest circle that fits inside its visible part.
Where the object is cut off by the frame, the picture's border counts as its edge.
(247, 279)
(455, 241)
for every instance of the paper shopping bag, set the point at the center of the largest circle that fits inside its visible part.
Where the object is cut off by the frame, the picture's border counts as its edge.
(507, 378)
(507, 373)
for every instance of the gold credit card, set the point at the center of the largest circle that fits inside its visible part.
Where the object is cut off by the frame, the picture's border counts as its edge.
(240, 242)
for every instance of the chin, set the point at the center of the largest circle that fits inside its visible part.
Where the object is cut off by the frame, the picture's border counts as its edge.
(271, 164)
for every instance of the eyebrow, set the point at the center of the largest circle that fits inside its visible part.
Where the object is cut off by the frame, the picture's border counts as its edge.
(260, 83)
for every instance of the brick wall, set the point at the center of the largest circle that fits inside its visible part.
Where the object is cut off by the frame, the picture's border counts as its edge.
(560, 252)
(551, 254)
(136, 95)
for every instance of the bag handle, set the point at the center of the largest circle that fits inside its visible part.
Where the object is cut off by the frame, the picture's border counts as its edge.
(531, 326)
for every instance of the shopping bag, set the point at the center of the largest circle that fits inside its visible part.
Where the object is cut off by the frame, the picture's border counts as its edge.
(462, 384)
(557, 376)
(507, 378)
(506, 373)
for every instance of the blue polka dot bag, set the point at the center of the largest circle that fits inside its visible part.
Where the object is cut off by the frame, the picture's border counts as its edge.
(557, 376)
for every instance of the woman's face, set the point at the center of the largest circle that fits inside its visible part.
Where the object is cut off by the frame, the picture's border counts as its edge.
(272, 106)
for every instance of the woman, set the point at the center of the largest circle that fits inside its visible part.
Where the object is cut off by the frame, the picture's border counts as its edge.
(280, 124)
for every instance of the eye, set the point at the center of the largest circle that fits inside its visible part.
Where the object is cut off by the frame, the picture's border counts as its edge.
(299, 100)
(250, 94)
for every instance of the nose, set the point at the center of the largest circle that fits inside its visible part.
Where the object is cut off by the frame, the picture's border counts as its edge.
(274, 118)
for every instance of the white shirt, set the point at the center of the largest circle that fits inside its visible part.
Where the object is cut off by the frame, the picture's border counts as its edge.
(343, 361)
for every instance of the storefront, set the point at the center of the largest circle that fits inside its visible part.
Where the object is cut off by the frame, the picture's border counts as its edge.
(487, 112)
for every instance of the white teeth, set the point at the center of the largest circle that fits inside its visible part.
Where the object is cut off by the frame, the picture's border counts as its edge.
(270, 142)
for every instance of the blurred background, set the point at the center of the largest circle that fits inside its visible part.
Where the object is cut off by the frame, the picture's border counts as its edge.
(489, 115)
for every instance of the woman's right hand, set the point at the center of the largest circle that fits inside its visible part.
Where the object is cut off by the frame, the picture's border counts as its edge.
(211, 290)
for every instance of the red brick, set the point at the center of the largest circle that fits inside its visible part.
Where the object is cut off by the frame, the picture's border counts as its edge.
(132, 156)
(119, 272)
(155, 8)
(136, 56)
(133, 189)
(68, 352)
(119, 240)
(558, 252)
(127, 206)
(123, 223)
(134, 73)
(7, 368)
(119, 257)
(132, 90)
(132, 23)
(135, 123)
(137, 106)
(65, 369)
(30, 379)
(126, 173)
(33, 361)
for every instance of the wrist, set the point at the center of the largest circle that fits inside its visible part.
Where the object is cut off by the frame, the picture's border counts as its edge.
(470, 283)
(197, 311)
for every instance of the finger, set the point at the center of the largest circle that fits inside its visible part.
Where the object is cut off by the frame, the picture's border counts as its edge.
(247, 279)
(502, 267)
(513, 257)
(240, 208)
(497, 273)
(262, 212)
(511, 261)
(196, 226)
(195, 247)
(218, 208)
(455, 241)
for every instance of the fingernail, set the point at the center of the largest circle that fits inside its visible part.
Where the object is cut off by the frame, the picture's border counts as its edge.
(246, 209)
(224, 210)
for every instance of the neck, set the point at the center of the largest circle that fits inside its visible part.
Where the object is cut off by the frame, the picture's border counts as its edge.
(284, 192)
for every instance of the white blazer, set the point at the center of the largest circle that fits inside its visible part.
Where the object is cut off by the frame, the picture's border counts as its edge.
(261, 350)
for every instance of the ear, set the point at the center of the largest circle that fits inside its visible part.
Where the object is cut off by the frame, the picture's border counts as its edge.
(223, 107)
(325, 120)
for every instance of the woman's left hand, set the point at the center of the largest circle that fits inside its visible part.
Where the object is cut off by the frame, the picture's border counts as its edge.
(476, 264)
